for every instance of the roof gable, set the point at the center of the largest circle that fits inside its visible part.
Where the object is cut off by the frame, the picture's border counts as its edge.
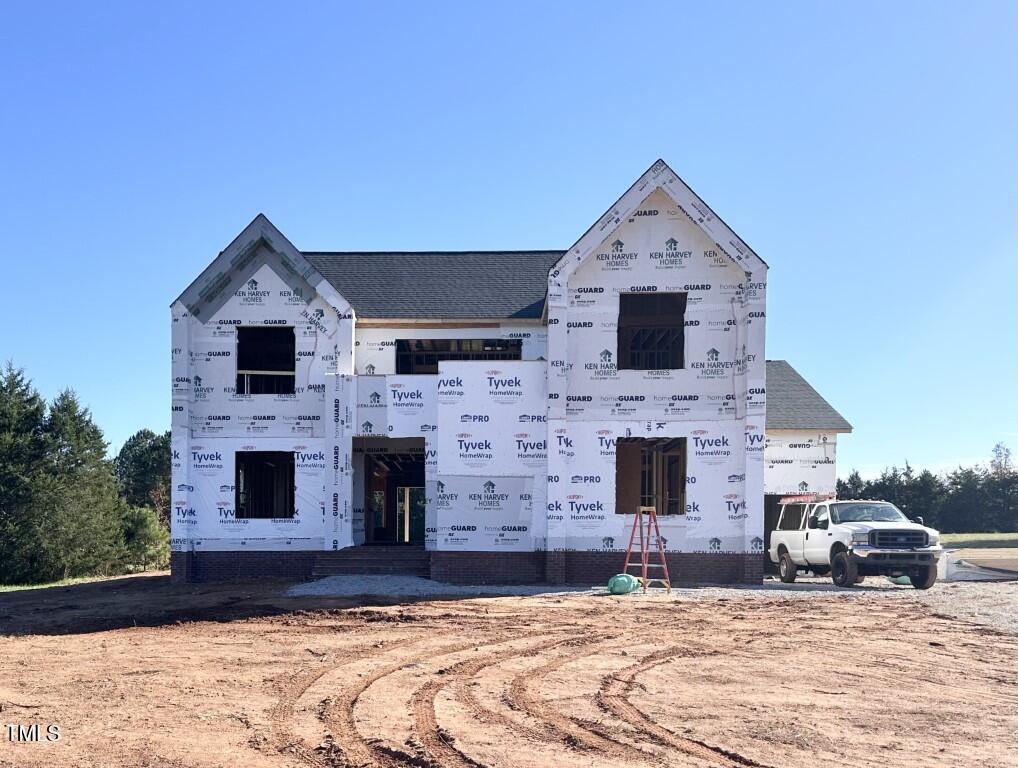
(658, 176)
(258, 244)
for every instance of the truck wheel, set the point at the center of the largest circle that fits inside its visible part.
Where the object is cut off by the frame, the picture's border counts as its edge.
(786, 568)
(923, 577)
(843, 571)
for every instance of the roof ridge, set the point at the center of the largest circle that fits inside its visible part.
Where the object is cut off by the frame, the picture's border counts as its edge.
(445, 284)
(435, 253)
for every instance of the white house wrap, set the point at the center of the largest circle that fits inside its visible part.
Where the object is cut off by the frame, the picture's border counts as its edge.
(478, 402)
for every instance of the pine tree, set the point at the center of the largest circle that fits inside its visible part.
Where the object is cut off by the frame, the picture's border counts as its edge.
(143, 469)
(23, 451)
(68, 518)
(1002, 484)
(76, 442)
(964, 509)
(23, 445)
(853, 487)
(85, 530)
(926, 492)
(146, 539)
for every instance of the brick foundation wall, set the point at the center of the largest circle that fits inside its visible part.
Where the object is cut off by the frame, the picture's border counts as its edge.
(480, 567)
(753, 566)
(488, 567)
(587, 567)
(220, 566)
(684, 568)
(555, 567)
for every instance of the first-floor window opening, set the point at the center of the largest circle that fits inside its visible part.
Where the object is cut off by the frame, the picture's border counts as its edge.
(424, 355)
(266, 360)
(264, 484)
(650, 472)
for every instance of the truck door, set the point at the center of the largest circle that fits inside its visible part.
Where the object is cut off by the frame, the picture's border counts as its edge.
(817, 547)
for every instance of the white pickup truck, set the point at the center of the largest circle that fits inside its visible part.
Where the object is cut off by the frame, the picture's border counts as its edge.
(852, 540)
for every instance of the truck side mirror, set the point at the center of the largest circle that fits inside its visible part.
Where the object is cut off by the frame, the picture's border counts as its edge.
(919, 520)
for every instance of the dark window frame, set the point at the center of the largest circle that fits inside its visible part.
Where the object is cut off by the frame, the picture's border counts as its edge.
(264, 483)
(422, 356)
(651, 331)
(662, 463)
(266, 360)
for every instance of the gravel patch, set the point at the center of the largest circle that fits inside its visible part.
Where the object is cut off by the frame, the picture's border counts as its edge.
(993, 604)
(414, 586)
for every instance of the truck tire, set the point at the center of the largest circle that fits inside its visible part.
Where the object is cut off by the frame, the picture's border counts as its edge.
(786, 568)
(843, 571)
(923, 577)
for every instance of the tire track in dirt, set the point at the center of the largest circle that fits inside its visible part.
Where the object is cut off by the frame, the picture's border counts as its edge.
(339, 715)
(465, 696)
(437, 743)
(573, 732)
(283, 739)
(897, 671)
(613, 697)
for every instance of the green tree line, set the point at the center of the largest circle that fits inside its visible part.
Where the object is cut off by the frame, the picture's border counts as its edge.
(66, 510)
(979, 499)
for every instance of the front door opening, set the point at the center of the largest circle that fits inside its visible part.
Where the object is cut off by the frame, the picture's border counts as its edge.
(394, 495)
(650, 472)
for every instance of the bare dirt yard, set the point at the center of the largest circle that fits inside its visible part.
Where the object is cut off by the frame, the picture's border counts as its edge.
(137, 672)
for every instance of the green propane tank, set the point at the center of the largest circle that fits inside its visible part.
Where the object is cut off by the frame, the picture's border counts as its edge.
(622, 584)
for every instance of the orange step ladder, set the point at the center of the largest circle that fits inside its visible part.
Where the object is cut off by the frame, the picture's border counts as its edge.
(646, 530)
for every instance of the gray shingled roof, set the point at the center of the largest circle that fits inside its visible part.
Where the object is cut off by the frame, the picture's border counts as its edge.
(793, 404)
(511, 284)
(421, 285)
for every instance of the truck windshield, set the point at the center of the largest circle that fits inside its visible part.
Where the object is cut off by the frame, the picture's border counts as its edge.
(866, 512)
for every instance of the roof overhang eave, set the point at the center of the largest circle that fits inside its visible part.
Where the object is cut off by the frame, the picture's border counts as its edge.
(457, 321)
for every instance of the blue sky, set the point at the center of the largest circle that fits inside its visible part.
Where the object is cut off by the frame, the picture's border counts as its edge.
(865, 150)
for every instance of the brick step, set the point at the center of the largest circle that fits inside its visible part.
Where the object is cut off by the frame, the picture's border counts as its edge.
(370, 570)
(364, 567)
(369, 549)
(374, 549)
(374, 560)
(380, 558)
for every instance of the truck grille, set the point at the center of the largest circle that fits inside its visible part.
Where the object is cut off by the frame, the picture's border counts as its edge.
(898, 538)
